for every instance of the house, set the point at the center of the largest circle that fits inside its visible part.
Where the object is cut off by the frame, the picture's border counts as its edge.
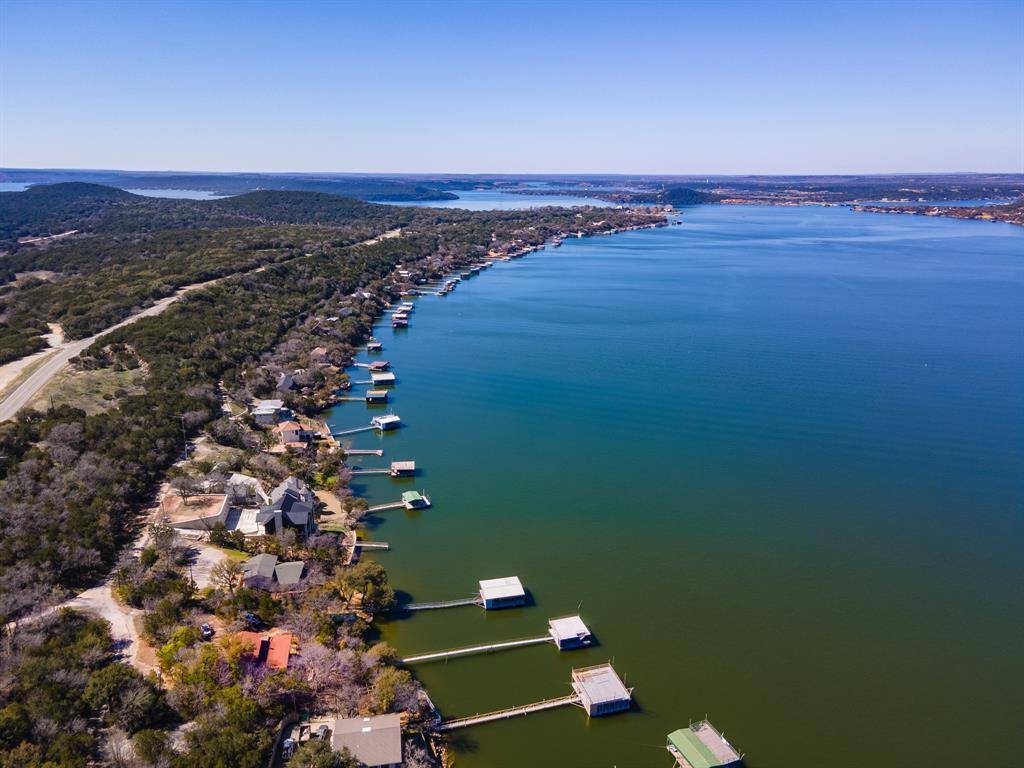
(267, 412)
(289, 574)
(502, 593)
(291, 505)
(263, 571)
(702, 746)
(375, 742)
(279, 651)
(258, 571)
(274, 652)
(285, 383)
(293, 435)
(319, 355)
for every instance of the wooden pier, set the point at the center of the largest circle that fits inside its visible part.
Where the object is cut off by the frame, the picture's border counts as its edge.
(385, 507)
(380, 471)
(373, 545)
(504, 714)
(354, 431)
(474, 600)
(365, 452)
(437, 655)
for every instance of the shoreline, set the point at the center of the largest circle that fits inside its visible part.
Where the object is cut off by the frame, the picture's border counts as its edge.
(438, 740)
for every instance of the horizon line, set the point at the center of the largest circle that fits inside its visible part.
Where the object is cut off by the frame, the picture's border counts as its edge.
(484, 174)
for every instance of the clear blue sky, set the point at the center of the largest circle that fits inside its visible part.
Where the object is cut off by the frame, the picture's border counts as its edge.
(513, 87)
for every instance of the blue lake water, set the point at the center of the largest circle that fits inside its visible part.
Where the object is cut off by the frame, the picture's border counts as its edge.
(494, 200)
(178, 194)
(773, 456)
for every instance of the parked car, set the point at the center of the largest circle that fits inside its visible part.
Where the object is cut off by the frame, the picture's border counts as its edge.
(252, 621)
(205, 631)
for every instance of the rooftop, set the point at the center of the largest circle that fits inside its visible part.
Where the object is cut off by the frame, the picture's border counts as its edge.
(373, 741)
(568, 627)
(406, 466)
(494, 589)
(702, 746)
(260, 565)
(278, 651)
(601, 683)
(289, 573)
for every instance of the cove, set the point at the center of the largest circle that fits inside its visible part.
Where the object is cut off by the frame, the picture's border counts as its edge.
(773, 457)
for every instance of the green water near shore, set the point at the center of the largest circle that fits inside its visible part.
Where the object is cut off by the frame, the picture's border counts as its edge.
(774, 457)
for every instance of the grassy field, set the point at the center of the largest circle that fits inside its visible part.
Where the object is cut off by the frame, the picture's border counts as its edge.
(92, 391)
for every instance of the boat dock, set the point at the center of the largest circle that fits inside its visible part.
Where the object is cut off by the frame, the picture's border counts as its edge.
(476, 649)
(409, 500)
(504, 714)
(365, 452)
(397, 469)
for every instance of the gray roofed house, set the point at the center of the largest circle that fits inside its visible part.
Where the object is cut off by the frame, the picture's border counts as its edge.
(289, 574)
(291, 504)
(259, 568)
(375, 742)
(286, 383)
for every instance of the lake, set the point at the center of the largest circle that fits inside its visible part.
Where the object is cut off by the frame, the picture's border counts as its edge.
(494, 200)
(178, 194)
(772, 456)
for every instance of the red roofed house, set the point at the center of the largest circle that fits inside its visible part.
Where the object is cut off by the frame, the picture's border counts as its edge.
(273, 651)
(280, 648)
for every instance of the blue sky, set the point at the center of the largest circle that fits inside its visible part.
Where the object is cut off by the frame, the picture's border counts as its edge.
(514, 87)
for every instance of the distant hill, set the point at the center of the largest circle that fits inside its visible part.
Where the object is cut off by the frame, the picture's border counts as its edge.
(368, 188)
(48, 209)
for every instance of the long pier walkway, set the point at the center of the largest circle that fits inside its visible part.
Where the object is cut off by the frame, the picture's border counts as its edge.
(380, 471)
(383, 507)
(354, 431)
(503, 714)
(475, 600)
(365, 452)
(476, 649)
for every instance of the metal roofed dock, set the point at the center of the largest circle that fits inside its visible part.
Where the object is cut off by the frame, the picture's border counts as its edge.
(566, 633)
(601, 691)
(701, 745)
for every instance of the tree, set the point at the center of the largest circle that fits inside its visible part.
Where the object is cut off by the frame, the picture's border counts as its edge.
(320, 754)
(186, 486)
(227, 574)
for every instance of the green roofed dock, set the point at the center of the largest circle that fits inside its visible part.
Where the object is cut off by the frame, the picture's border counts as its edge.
(701, 745)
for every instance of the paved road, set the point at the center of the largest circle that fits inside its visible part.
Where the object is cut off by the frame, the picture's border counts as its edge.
(60, 355)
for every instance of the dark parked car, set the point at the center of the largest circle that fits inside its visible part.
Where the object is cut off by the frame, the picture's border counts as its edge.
(252, 620)
(205, 631)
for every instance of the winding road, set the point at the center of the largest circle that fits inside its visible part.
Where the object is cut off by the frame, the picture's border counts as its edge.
(61, 354)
